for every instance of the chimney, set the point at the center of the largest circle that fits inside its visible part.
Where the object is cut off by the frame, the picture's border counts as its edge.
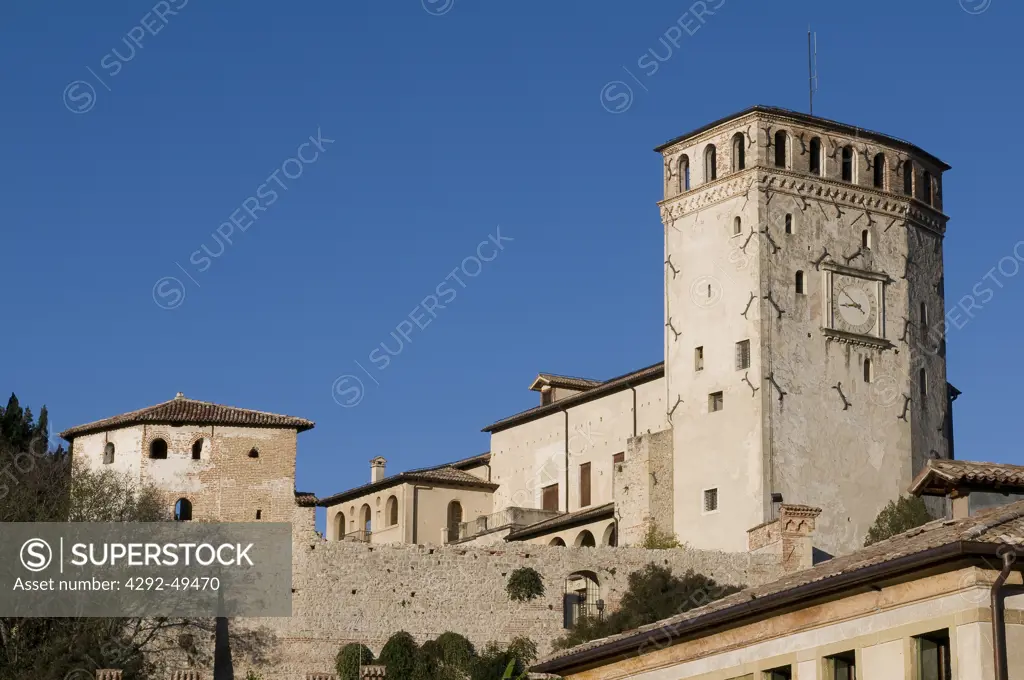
(377, 469)
(790, 537)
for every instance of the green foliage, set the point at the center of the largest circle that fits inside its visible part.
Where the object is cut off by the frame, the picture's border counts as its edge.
(654, 593)
(525, 584)
(350, 658)
(898, 516)
(253, 675)
(496, 663)
(656, 539)
(401, 657)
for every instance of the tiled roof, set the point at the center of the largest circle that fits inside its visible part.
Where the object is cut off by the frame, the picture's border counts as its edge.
(442, 474)
(611, 386)
(938, 542)
(192, 412)
(939, 477)
(305, 499)
(566, 381)
(568, 519)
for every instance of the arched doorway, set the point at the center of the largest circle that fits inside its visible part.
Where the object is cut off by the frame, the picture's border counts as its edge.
(585, 540)
(365, 518)
(611, 536)
(582, 598)
(454, 520)
(339, 526)
(183, 510)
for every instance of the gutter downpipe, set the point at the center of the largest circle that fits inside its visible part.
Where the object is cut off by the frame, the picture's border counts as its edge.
(566, 412)
(1000, 591)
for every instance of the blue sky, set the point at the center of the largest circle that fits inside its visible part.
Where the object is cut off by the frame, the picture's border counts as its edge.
(448, 119)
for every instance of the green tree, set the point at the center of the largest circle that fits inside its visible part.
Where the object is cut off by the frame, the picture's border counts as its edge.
(654, 593)
(525, 584)
(400, 656)
(898, 516)
(495, 661)
(350, 658)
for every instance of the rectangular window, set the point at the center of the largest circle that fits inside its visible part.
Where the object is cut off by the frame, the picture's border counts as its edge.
(933, 656)
(698, 359)
(710, 500)
(742, 355)
(619, 457)
(716, 402)
(784, 673)
(841, 666)
(550, 497)
(584, 485)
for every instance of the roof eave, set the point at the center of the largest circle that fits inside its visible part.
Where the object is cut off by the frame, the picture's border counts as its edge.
(947, 553)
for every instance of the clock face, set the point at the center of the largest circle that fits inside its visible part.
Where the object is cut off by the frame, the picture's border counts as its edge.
(855, 309)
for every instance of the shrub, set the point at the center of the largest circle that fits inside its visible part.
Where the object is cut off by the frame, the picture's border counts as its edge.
(350, 658)
(656, 539)
(525, 584)
(400, 656)
(898, 516)
(654, 593)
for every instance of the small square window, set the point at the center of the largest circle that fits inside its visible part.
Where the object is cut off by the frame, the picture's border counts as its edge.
(710, 500)
(841, 666)
(933, 656)
(698, 359)
(742, 355)
(784, 673)
(716, 402)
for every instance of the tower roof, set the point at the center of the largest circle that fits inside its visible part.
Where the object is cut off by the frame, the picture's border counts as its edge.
(812, 120)
(181, 410)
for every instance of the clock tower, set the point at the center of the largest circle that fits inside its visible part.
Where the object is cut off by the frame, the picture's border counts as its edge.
(804, 335)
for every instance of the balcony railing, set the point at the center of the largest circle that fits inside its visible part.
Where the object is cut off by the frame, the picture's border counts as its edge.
(509, 517)
(358, 536)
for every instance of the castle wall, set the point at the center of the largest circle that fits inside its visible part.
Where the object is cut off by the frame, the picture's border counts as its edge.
(353, 592)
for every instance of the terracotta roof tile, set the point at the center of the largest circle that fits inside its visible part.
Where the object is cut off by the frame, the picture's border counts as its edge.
(939, 477)
(192, 412)
(569, 519)
(442, 474)
(996, 527)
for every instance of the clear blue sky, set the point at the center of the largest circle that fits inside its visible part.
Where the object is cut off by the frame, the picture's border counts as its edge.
(446, 125)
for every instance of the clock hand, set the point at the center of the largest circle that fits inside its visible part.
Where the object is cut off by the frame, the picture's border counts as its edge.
(854, 305)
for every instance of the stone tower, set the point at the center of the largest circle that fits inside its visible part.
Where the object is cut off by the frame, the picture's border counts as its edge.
(210, 462)
(804, 335)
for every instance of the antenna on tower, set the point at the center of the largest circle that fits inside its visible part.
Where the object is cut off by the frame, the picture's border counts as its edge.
(812, 65)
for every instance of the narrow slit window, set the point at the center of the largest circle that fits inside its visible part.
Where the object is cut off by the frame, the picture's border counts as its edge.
(799, 282)
(710, 163)
(737, 226)
(865, 239)
(926, 187)
(922, 379)
(739, 152)
(880, 171)
(698, 358)
(908, 177)
(259, 514)
(684, 173)
(789, 223)
(584, 485)
(867, 370)
(197, 449)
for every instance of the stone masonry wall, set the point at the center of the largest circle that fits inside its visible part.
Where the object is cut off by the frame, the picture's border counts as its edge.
(355, 592)
(643, 487)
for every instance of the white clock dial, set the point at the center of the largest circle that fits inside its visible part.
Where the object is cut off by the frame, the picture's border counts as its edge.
(856, 308)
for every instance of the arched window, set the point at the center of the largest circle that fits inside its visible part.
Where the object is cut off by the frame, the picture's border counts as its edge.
(391, 510)
(108, 453)
(585, 540)
(197, 449)
(366, 519)
(454, 520)
(908, 177)
(684, 173)
(183, 510)
(557, 541)
(867, 370)
(922, 379)
(737, 226)
(158, 449)
(339, 526)
(926, 187)
(847, 163)
(789, 223)
(611, 536)
(815, 157)
(800, 282)
(865, 239)
(781, 148)
(880, 170)
(739, 152)
(253, 453)
(710, 163)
